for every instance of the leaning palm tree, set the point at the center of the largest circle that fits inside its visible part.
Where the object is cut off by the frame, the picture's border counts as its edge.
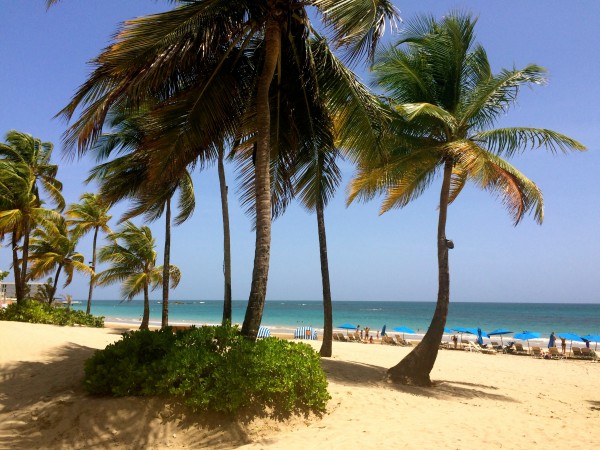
(132, 256)
(446, 99)
(90, 214)
(52, 249)
(128, 176)
(217, 63)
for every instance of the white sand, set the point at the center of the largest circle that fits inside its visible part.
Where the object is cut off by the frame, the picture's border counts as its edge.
(494, 401)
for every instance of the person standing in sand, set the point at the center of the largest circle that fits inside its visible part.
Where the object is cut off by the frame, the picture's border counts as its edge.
(563, 344)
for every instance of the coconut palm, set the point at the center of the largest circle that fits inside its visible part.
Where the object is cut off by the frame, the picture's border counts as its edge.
(216, 64)
(132, 256)
(128, 176)
(52, 249)
(19, 214)
(447, 99)
(24, 148)
(90, 214)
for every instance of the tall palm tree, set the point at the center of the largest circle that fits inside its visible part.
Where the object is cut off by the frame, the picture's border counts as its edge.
(90, 214)
(20, 212)
(446, 98)
(52, 248)
(217, 63)
(132, 256)
(127, 176)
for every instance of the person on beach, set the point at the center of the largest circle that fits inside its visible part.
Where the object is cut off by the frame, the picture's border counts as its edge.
(371, 340)
(367, 332)
(377, 334)
(563, 344)
(455, 340)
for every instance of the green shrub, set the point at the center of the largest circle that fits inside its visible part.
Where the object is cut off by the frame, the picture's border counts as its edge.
(212, 369)
(36, 312)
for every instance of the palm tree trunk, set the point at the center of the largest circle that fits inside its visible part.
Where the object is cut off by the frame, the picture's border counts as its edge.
(53, 293)
(166, 267)
(16, 268)
(146, 316)
(89, 302)
(416, 366)
(226, 238)
(260, 273)
(326, 346)
(25, 257)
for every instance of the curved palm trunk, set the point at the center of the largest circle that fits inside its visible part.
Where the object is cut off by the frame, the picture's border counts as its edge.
(89, 302)
(146, 316)
(326, 346)
(53, 293)
(166, 267)
(226, 238)
(16, 268)
(416, 366)
(260, 273)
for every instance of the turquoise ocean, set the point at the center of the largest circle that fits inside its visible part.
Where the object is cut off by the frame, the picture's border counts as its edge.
(287, 315)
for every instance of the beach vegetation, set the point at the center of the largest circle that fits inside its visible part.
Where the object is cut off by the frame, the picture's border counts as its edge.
(445, 99)
(33, 311)
(226, 71)
(90, 214)
(212, 369)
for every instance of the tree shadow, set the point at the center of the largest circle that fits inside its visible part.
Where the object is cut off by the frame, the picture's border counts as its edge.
(44, 405)
(359, 374)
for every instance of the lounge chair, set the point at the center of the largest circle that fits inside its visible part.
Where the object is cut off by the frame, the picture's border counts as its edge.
(496, 346)
(588, 353)
(576, 352)
(536, 352)
(519, 350)
(341, 337)
(555, 353)
(388, 340)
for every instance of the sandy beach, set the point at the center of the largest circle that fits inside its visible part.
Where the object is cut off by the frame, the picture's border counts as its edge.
(495, 401)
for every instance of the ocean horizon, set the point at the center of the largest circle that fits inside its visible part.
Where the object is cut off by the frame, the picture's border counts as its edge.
(578, 318)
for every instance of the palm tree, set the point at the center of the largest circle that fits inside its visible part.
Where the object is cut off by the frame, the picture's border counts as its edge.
(128, 176)
(52, 248)
(217, 64)
(90, 214)
(24, 148)
(19, 214)
(446, 98)
(133, 257)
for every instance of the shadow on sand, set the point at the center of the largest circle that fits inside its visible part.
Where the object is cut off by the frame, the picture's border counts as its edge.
(359, 374)
(44, 405)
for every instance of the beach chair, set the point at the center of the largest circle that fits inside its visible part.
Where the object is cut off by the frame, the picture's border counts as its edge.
(536, 352)
(401, 341)
(519, 350)
(576, 352)
(588, 353)
(341, 337)
(555, 353)
(388, 340)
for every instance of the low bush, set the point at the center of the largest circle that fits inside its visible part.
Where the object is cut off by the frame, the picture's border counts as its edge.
(36, 312)
(212, 369)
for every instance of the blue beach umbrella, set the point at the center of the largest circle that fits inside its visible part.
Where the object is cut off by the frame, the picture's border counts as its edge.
(480, 336)
(347, 326)
(526, 335)
(499, 332)
(552, 340)
(448, 330)
(403, 330)
(383, 330)
(592, 338)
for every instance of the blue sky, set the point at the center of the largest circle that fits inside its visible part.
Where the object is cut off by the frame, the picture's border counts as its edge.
(372, 257)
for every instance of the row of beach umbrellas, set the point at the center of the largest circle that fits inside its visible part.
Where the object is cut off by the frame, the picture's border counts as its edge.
(522, 336)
